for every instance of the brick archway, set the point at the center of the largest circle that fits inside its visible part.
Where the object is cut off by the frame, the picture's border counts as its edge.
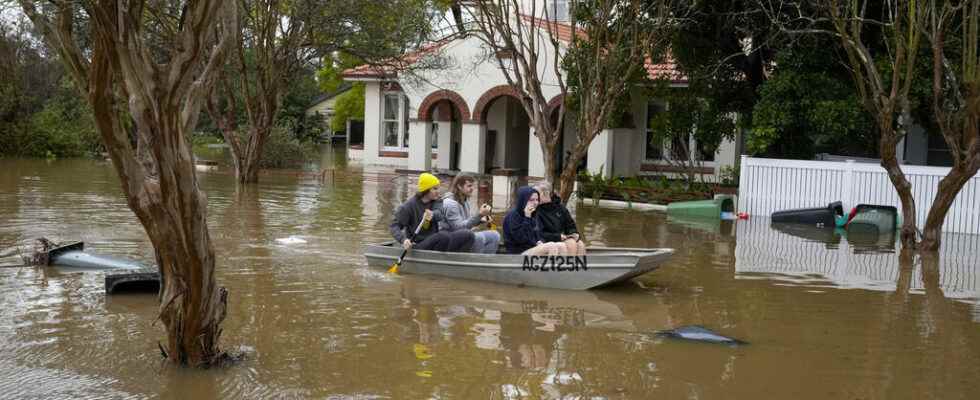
(425, 109)
(480, 111)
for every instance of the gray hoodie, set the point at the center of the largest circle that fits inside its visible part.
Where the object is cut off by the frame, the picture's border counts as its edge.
(457, 215)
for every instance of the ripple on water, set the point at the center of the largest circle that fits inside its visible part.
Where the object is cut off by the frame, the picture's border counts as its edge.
(31, 382)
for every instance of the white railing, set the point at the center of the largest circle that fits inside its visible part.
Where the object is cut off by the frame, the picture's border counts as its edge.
(769, 185)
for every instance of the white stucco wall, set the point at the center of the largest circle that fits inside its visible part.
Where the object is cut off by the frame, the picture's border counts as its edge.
(471, 73)
(372, 122)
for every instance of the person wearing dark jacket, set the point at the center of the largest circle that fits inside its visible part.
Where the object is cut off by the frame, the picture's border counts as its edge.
(522, 234)
(425, 208)
(557, 224)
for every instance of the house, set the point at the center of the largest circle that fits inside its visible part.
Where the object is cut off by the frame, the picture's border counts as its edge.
(467, 118)
(322, 107)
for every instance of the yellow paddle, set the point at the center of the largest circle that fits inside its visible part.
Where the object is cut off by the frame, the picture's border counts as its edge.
(394, 267)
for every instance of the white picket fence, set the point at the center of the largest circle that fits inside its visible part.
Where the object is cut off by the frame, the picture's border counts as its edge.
(769, 185)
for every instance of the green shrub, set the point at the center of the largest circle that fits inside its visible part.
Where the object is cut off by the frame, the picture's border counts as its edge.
(639, 189)
(729, 175)
(283, 150)
(61, 130)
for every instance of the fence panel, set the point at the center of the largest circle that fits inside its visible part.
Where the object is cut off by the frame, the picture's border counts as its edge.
(768, 185)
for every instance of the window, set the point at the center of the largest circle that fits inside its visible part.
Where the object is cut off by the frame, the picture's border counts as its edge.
(394, 121)
(678, 149)
(655, 147)
(557, 10)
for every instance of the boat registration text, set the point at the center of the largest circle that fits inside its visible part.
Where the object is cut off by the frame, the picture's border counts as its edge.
(555, 263)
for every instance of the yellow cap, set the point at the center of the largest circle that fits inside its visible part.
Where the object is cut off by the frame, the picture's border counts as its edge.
(427, 181)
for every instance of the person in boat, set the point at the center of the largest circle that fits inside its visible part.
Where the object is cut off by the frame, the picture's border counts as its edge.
(425, 208)
(557, 224)
(456, 206)
(522, 233)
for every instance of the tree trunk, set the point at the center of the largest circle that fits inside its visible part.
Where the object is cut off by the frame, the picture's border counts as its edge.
(192, 307)
(548, 153)
(566, 182)
(247, 158)
(889, 161)
(949, 187)
(156, 173)
(569, 173)
(174, 213)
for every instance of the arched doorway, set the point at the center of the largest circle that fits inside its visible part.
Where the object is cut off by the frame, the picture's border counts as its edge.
(445, 110)
(507, 130)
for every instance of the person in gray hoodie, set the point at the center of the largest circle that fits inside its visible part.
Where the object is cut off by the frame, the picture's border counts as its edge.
(458, 216)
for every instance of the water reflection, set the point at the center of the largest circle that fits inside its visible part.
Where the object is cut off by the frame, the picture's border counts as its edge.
(819, 257)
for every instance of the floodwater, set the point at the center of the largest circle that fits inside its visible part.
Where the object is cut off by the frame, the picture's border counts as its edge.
(826, 317)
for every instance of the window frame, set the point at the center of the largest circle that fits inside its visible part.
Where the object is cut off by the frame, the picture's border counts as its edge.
(666, 150)
(552, 11)
(401, 121)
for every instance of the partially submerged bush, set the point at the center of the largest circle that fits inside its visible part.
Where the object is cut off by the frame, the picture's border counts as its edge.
(283, 150)
(657, 190)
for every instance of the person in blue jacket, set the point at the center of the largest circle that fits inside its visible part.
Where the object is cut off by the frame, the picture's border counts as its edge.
(522, 233)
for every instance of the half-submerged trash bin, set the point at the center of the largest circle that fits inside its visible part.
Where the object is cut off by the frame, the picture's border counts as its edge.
(121, 275)
(872, 218)
(816, 216)
(703, 208)
(133, 280)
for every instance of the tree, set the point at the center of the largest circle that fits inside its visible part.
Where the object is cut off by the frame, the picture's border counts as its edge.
(884, 76)
(690, 116)
(883, 96)
(808, 106)
(602, 53)
(272, 47)
(349, 106)
(956, 100)
(278, 43)
(724, 49)
(147, 70)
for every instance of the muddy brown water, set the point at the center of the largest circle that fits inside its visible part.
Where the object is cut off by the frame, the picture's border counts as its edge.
(826, 317)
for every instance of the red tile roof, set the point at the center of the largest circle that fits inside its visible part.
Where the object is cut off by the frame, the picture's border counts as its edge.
(665, 70)
(389, 68)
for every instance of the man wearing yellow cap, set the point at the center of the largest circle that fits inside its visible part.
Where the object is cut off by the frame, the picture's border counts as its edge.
(416, 222)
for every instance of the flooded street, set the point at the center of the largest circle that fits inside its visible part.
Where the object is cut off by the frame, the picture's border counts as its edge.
(828, 317)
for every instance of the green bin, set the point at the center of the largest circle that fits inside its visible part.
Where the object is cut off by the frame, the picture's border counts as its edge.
(702, 208)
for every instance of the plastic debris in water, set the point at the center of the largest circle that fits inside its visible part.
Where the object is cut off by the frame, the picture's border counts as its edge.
(699, 334)
(290, 240)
